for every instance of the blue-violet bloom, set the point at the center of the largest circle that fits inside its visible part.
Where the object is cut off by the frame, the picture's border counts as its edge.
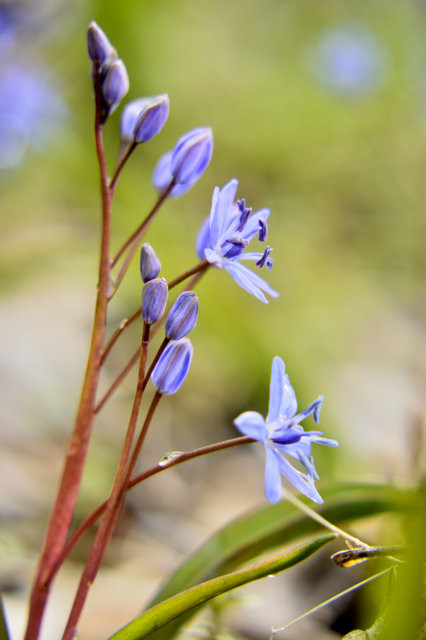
(172, 366)
(227, 231)
(143, 118)
(182, 316)
(186, 163)
(281, 433)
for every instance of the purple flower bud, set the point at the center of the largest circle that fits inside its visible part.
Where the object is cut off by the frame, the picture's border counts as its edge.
(115, 85)
(186, 163)
(143, 118)
(99, 47)
(154, 298)
(192, 154)
(149, 264)
(182, 316)
(173, 366)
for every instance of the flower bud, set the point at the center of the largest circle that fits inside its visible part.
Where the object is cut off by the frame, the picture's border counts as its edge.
(99, 47)
(149, 263)
(115, 85)
(154, 298)
(143, 118)
(186, 163)
(191, 155)
(172, 366)
(182, 316)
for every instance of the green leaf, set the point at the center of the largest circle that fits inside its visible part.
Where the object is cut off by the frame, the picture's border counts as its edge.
(269, 527)
(169, 610)
(4, 633)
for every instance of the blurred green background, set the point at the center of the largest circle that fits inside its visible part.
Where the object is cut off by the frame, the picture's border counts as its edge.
(319, 109)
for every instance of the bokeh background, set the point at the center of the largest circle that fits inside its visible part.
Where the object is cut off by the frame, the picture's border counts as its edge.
(319, 109)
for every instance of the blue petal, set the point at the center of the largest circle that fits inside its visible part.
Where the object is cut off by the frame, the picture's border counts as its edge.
(288, 400)
(273, 490)
(252, 424)
(253, 283)
(213, 257)
(314, 407)
(203, 239)
(243, 277)
(328, 442)
(299, 480)
(276, 389)
(221, 212)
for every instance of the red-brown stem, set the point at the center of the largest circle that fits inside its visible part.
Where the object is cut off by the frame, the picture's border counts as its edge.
(200, 267)
(117, 333)
(135, 357)
(118, 380)
(120, 164)
(161, 348)
(115, 501)
(78, 443)
(178, 459)
(136, 236)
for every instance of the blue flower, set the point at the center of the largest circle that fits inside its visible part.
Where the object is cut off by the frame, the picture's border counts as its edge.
(281, 433)
(227, 231)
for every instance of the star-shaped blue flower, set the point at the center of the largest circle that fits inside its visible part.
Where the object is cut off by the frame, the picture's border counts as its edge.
(227, 231)
(281, 433)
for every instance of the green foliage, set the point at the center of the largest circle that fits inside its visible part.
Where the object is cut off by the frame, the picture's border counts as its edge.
(172, 608)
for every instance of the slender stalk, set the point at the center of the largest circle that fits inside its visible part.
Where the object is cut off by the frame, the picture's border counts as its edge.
(316, 516)
(172, 461)
(118, 380)
(200, 267)
(117, 333)
(115, 501)
(79, 440)
(136, 236)
(135, 357)
(330, 600)
(120, 164)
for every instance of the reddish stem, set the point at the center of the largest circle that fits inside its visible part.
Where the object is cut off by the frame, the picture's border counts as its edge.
(120, 164)
(117, 333)
(115, 501)
(136, 236)
(78, 443)
(136, 480)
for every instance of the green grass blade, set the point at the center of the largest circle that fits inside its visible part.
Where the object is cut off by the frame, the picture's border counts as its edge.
(273, 525)
(270, 527)
(172, 608)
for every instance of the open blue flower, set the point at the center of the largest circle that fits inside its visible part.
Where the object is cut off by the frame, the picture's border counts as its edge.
(281, 433)
(227, 231)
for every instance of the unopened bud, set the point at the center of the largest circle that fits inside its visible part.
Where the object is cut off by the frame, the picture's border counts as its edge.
(191, 155)
(173, 366)
(115, 85)
(182, 316)
(143, 118)
(154, 298)
(186, 163)
(150, 265)
(99, 47)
